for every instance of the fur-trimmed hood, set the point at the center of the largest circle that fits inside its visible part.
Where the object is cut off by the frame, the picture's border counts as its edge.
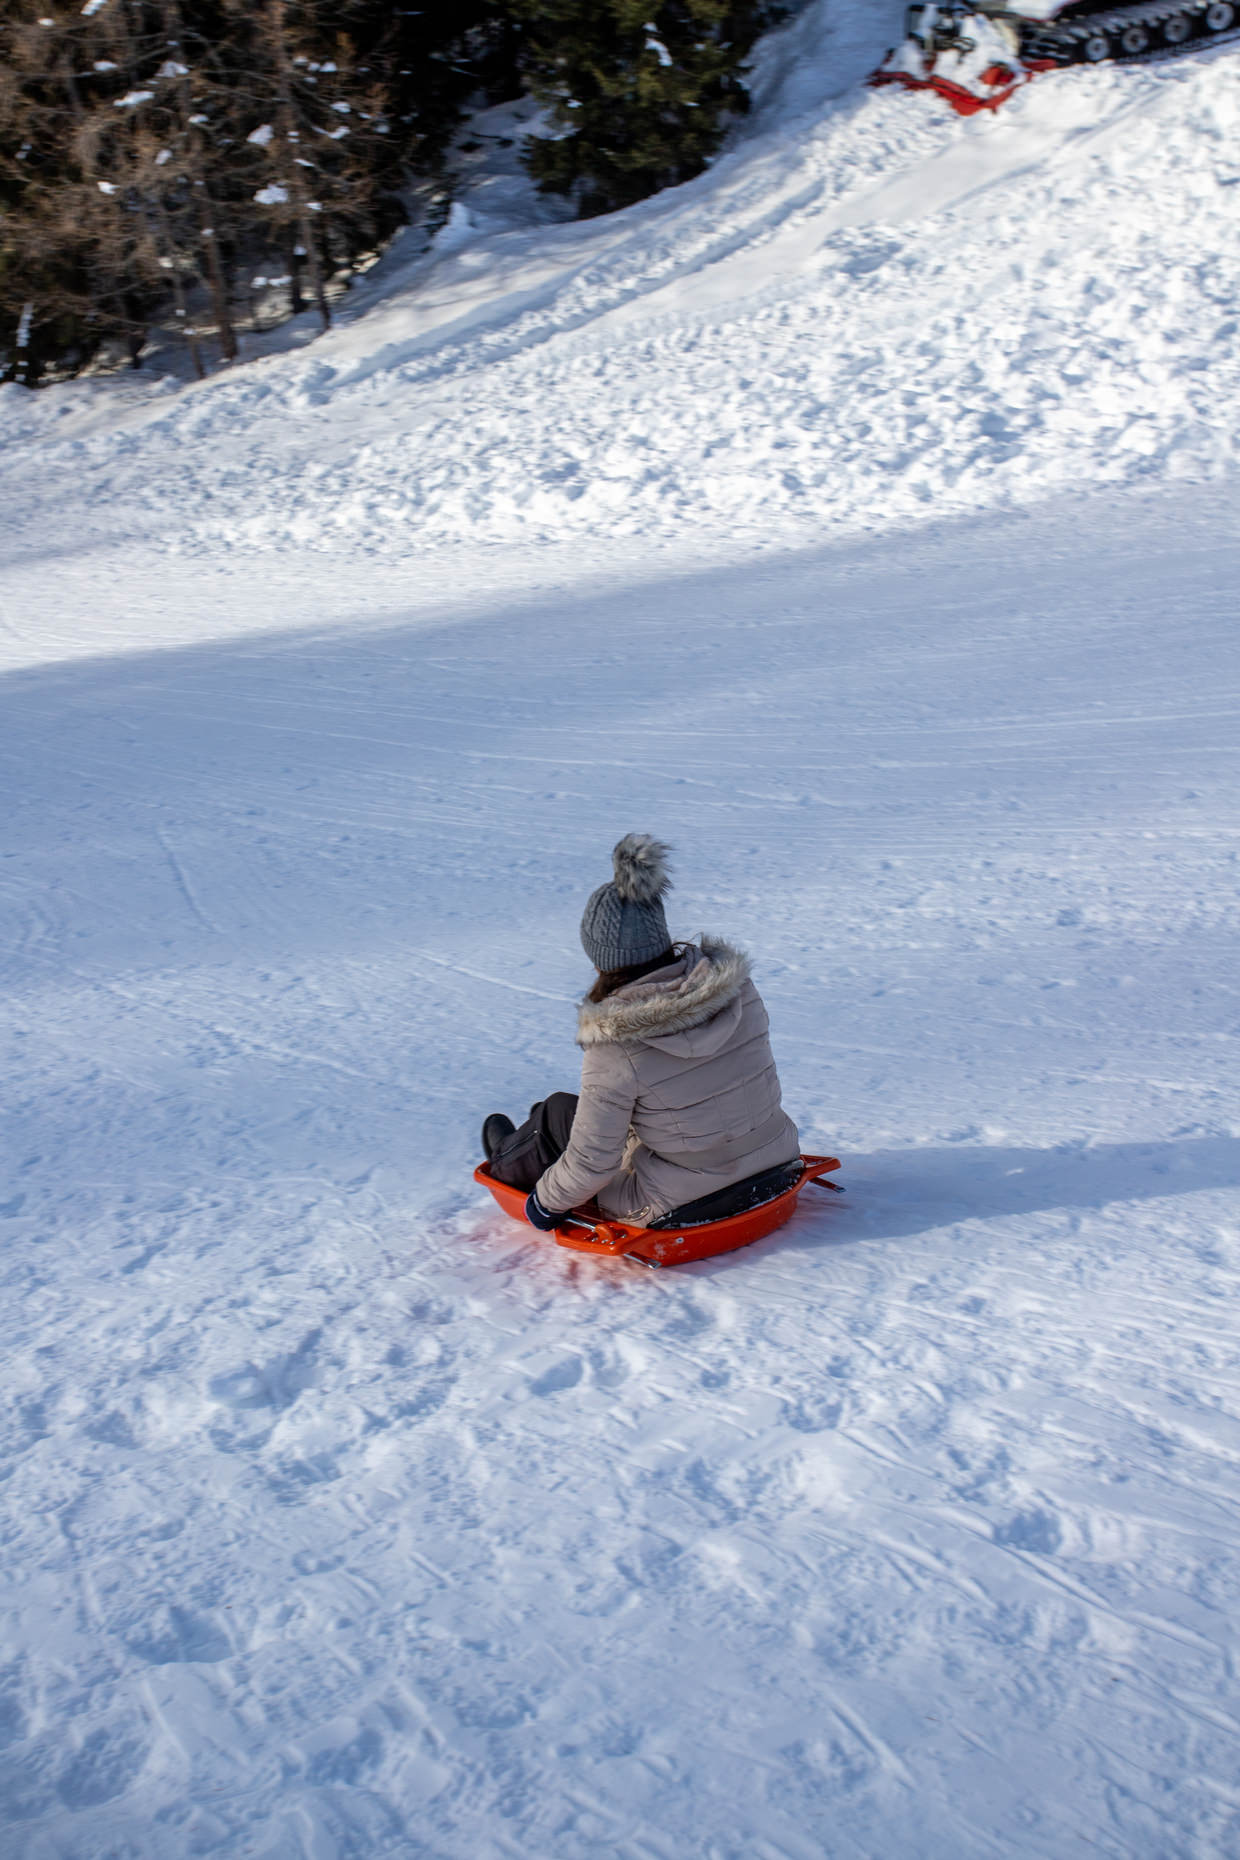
(697, 988)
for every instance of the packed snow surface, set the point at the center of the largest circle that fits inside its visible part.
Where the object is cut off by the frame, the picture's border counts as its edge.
(342, 1517)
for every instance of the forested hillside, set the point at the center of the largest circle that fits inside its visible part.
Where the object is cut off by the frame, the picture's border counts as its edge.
(164, 160)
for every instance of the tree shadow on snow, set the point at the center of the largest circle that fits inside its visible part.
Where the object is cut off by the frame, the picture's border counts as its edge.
(294, 883)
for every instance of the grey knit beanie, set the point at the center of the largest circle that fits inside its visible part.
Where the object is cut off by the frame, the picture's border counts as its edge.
(623, 924)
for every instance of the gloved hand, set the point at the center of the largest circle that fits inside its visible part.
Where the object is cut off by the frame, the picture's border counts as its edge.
(538, 1216)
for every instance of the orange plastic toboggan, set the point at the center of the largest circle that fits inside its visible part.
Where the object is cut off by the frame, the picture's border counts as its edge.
(585, 1231)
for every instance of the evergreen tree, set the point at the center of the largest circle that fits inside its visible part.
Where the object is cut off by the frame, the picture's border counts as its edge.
(103, 155)
(63, 270)
(153, 151)
(312, 135)
(437, 57)
(638, 92)
(149, 149)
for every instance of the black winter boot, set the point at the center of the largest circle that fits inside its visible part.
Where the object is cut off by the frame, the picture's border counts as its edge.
(495, 1129)
(520, 1156)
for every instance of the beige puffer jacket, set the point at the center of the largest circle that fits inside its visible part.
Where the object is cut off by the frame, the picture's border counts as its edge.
(679, 1094)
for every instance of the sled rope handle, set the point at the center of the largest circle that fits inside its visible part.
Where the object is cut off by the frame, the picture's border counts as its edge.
(604, 1237)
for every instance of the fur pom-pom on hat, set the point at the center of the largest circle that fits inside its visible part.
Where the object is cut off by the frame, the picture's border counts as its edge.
(623, 924)
(640, 863)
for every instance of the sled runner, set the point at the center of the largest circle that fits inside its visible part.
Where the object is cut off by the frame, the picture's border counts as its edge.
(585, 1230)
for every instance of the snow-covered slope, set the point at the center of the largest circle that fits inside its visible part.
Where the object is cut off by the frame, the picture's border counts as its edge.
(867, 311)
(341, 1518)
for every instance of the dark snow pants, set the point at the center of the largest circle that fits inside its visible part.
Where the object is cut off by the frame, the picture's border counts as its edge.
(541, 1140)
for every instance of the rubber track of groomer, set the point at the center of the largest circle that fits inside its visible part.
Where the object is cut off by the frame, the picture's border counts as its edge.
(1114, 22)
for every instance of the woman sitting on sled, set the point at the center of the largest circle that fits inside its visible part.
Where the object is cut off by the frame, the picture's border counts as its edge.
(679, 1109)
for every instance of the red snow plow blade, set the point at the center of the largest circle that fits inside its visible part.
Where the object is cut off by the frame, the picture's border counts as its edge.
(587, 1231)
(975, 54)
(964, 102)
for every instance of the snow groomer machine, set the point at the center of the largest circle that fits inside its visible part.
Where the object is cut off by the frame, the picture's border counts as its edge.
(975, 53)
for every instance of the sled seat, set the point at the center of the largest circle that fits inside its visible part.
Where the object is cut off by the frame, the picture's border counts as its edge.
(736, 1198)
(585, 1230)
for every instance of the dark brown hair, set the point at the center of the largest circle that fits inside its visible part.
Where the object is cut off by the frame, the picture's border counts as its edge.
(611, 979)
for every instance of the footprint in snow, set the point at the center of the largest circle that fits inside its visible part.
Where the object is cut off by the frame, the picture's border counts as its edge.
(564, 1375)
(1038, 1531)
(13, 1721)
(104, 1765)
(346, 1763)
(274, 1385)
(174, 1636)
(291, 1480)
(111, 1430)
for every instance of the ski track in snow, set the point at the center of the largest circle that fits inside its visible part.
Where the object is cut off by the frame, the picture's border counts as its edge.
(343, 1517)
